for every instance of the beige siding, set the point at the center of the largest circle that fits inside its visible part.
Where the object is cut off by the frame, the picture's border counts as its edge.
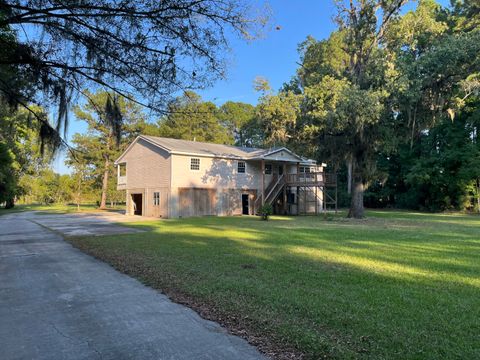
(147, 166)
(160, 210)
(188, 202)
(148, 206)
(214, 173)
(215, 189)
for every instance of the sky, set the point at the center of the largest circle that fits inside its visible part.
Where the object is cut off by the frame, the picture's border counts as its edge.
(274, 56)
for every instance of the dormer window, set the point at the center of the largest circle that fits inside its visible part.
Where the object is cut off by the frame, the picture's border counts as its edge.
(194, 164)
(241, 167)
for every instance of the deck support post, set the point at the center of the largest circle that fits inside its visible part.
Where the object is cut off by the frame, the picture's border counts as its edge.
(285, 189)
(305, 199)
(298, 189)
(324, 195)
(263, 182)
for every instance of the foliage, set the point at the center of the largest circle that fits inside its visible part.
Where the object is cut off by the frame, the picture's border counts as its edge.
(112, 122)
(191, 118)
(20, 151)
(379, 95)
(277, 115)
(239, 119)
(266, 211)
(143, 48)
(7, 178)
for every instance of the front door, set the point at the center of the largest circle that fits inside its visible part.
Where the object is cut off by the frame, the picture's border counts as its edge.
(245, 209)
(137, 204)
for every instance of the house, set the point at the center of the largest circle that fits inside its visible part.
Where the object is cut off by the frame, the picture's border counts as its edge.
(177, 178)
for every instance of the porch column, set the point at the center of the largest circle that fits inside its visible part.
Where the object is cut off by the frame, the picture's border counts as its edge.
(263, 182)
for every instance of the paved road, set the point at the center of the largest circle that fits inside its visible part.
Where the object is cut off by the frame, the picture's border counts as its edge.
(58, 303)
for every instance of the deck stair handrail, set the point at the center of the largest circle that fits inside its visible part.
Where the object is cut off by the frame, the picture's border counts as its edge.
(267, 189)
(275, 186)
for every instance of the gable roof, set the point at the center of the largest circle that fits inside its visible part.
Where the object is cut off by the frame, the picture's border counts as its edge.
(196, 148)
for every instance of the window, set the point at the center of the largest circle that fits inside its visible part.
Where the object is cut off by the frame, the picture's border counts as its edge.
(241, 167)
(304, 169)
(194, 164)
(268, 169)
(156, 198)
(122, 169)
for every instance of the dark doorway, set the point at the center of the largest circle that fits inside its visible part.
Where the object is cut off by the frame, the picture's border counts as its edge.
(245, 210)
(137, 204)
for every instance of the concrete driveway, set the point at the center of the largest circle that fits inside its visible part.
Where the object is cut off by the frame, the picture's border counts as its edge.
(58, 303)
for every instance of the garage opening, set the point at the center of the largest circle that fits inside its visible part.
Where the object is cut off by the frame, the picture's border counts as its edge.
(137, 204)
(245, 209)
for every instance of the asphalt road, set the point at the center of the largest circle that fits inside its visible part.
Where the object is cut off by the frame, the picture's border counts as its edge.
(58, 303)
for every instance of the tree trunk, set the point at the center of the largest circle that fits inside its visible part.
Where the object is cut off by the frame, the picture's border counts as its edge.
(478, 195)
(10, 203)
(349, 180)
(356, 206)
(103, 203)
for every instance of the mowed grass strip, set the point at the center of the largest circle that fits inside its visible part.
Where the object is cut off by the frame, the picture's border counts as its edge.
(397, 285)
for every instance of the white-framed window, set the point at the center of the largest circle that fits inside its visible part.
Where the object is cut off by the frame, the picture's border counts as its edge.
(241, 167)
(122, 169)
(156, 198)
(194, 164)
(305, 169)
(268, 169)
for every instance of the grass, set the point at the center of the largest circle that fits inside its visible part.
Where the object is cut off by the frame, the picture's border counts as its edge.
(55, 208)
(398, 285)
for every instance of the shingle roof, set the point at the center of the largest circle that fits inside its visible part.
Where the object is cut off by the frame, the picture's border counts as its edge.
(209, 149)
(176, 146)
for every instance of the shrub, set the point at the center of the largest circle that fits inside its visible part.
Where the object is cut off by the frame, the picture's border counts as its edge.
(265, 211)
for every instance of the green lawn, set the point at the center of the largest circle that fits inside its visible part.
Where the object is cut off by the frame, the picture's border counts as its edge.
(56, 208)
(397, 285)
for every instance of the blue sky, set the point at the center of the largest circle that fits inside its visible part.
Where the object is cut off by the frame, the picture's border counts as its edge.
(274, 56)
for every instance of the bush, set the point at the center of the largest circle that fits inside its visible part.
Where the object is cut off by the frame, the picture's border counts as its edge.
(265, 211)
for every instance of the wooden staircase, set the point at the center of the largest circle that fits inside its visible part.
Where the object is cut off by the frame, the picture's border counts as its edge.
(271, 192)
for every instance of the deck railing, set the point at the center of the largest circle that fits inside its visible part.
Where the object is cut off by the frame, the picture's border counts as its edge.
(311, 178)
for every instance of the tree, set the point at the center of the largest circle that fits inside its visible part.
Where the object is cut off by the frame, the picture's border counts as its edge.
(7, 179)
(112, 122)
(278, 117)
(82, 178)
(381, 80)
(20, 151)
(239, 119)
(191, 118)
(142, 49)
(433, 81)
